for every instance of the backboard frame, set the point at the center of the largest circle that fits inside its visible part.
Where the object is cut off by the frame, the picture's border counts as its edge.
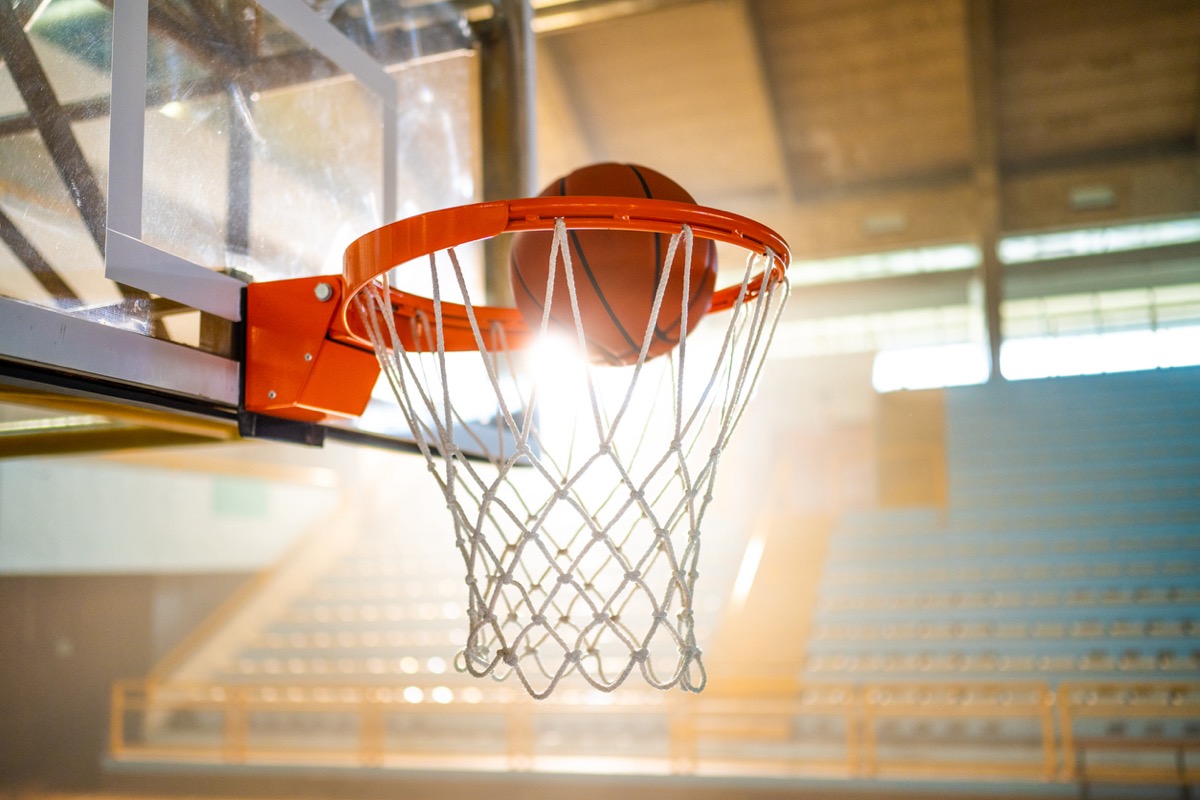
(75, 355)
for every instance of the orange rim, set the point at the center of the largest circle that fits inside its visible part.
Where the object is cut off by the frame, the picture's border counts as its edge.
(379, 251)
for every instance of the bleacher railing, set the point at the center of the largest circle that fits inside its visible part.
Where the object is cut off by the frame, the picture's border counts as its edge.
(1123, 732)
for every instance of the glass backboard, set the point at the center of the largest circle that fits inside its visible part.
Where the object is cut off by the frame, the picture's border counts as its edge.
(157, 157)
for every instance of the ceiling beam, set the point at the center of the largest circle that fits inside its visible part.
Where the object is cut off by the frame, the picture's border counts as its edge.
(981, 67)
(553, 16)
(507, 67)
(767, 89)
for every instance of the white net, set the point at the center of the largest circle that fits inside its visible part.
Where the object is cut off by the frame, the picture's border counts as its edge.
(578, 501)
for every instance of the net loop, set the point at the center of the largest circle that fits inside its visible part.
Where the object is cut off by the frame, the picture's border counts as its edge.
(578, 492)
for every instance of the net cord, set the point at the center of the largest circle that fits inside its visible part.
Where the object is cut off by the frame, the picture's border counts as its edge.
(432, 418)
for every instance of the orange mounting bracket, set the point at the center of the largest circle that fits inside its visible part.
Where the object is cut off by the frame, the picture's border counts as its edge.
(294, 369)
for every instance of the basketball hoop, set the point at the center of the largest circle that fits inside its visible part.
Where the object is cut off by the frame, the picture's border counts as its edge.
(578, 494)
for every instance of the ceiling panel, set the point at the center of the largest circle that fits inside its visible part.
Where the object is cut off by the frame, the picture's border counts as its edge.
(868, 92)
(1076, 79)
(679, 90)
(823, 112)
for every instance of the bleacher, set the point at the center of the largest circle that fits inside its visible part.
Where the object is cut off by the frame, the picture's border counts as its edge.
(1042, 619)
(1069, 547)
(1067, 554)
(389, 611)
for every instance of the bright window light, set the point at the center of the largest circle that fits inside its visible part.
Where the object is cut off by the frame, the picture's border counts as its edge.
(893, 330)
(1117, 238)
(1093, 354)
(929, 367)
(62, 423)
(1098, 312)
(944, 258)
(748, 570)
(173, 109)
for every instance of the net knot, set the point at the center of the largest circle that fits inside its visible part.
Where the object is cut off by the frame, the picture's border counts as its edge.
(521, 539)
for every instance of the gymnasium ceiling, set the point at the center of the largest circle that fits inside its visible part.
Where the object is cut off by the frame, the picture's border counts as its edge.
(866, 125)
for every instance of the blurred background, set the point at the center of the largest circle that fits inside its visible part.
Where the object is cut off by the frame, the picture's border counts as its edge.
(955, 544)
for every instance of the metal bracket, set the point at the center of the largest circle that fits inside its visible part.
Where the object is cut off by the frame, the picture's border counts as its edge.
(293, 370)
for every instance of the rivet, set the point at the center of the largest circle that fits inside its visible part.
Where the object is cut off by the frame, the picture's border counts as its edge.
(271, 395)
(308, 356)
(323, 291)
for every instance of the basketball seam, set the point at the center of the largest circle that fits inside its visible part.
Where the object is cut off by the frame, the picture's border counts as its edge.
(612, 356)
(691, 307)
(659, 333)
(541, 308)
(599, 291)
(612, 315)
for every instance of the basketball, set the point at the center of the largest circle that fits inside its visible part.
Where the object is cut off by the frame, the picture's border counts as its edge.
(616, 273)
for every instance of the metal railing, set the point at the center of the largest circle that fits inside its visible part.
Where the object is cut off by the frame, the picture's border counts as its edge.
(1025, 730)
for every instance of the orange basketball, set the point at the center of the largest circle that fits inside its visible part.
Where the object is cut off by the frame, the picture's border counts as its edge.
(616, 272)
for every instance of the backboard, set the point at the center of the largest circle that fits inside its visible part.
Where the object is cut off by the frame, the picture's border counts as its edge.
(157, 157)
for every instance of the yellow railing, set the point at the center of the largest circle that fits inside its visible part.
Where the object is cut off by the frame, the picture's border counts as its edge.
(686, 735)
